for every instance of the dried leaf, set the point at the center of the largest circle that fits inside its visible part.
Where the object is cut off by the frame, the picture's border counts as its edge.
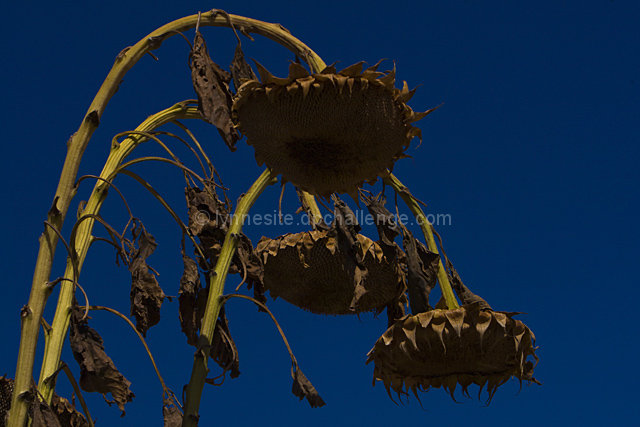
(146, 295)
(63, 410)
(241, 71)
(246, 261)
(223, 350)
(67, 413)
(346, 228)
(189, 288)
(345, 222)
(259, 294)
(396, 309)
(41, 414)
(211, 84)
(463, 292)
(209, 219)
(466, 296)
(97, 371)
(171, 414)
(303, 388)
(421, 266)
(385, 221)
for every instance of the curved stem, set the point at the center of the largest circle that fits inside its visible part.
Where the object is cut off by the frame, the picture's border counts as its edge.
(426, 227)
(76, 388)
(216, 286)
(165, 389)
(83, 236)
(32, 312)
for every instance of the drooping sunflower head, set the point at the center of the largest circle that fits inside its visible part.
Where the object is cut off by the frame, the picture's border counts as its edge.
(444, 348)
(312, 271)
(327, 132)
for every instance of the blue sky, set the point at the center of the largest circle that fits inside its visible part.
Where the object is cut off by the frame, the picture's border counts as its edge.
(533, 155)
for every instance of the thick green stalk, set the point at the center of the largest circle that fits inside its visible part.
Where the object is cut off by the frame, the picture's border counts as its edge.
(83, 238)
(40, 291)
(216, 286)
(426, 227)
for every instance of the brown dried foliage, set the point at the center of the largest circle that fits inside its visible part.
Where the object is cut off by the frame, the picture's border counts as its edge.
(60, 413)
(98, 373)
(41, 414)
(171, 414)
(223, 349)
(146, 295)
(444, 348)
(211, 84)
(67, 413)
(422, 272)
(303, 388)
(209, 220)
(187, 299)
(241, 71)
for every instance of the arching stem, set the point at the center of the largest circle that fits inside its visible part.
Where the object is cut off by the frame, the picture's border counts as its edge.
(83, 237)
(427, 229)
(216, 287)
(31, 313)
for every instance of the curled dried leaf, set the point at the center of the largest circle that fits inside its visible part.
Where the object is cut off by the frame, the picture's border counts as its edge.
(64, 412)
(211, 84)
(41, 414)
(171, 414)
(146, 295)
(464, 293)
(303, 388)
(98, 373)
(345, 227)
(67, 413)
(209, 219)
(188, 294)
(385, 221)
(395, 309)
(422, 272)
(223, 350)
(241, 71)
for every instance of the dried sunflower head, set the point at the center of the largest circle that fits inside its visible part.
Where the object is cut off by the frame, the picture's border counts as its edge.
(327, 132)
(443, 348)
(310, 270)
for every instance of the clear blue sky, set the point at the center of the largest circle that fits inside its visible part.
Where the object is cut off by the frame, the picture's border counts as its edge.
(533, 154)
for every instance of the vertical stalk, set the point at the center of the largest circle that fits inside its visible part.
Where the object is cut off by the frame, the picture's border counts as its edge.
(427, 229)
(216, 286)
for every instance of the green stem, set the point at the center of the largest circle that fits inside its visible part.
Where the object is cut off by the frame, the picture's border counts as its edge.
(427, 229)
(40, 291)
(216, 287)
(83, 238)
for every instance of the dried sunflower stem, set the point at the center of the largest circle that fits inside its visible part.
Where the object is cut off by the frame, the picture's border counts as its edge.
(40, 291)
(425, 225)
(83, 238)
(216, 286)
